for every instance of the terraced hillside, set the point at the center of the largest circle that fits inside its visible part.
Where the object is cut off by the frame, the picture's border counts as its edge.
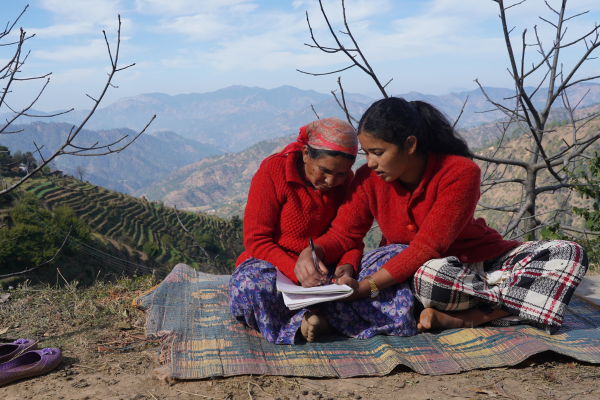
(145, 226)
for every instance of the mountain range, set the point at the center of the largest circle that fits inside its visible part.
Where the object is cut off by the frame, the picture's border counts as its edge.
(236, 117)
(218, 181)
(219, 184)
(147, 160)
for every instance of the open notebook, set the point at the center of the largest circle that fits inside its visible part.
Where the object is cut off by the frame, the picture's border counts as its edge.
(296, 297)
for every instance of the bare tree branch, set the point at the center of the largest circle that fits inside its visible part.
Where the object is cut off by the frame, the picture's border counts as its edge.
(311, 106)
(68, 147)
(461, 110)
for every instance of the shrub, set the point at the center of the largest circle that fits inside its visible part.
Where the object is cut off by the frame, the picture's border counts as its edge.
(151, 249)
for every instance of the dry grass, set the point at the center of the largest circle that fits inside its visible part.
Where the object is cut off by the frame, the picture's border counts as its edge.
(79, 320)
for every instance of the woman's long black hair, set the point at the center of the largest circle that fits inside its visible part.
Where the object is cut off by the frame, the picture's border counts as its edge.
(394, 119)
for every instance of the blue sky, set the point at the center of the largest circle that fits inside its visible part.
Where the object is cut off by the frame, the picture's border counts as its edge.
(187, 46)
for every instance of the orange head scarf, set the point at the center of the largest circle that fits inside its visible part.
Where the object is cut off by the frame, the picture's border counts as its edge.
(324, 134)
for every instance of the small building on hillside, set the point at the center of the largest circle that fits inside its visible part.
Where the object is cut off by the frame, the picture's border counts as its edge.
(57, 173)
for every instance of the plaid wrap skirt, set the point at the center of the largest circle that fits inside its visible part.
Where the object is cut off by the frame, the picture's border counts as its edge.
(534, 282)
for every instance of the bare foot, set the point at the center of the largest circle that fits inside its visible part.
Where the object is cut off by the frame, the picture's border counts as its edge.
(314, 325)
(433, 319)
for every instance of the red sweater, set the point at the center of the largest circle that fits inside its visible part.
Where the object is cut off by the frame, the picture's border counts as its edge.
(436, 220)
(282, 213)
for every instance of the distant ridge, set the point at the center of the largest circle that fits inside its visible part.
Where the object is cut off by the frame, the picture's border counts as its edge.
(148, 159)
(236, 117)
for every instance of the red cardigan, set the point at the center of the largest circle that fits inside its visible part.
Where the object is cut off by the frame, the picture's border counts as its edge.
(436, 220)
(282, 212)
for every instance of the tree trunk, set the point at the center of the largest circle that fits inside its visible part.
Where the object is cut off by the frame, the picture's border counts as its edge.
(529, 220)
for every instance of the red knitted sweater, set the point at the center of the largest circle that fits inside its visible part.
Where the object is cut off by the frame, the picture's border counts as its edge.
(436, 220)
(282, 213)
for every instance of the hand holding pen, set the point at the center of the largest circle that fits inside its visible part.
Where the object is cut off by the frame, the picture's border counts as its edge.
(318, 268)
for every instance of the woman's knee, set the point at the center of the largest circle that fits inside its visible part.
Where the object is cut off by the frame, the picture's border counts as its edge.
(569, 253)
(251, 281)
(428, 273)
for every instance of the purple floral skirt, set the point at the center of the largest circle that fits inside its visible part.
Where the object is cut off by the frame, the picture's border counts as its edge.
(254, 301)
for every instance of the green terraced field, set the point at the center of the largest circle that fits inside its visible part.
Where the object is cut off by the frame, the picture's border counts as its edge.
(135, 222)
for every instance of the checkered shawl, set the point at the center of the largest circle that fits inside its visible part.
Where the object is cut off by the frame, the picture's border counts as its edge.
(541, 278)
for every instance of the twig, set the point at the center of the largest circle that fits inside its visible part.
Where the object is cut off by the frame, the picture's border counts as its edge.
(311, 106)
(68, 284)
(190, 235)
(199, 395)
(461, 112)
(255, 384)
(250, 393)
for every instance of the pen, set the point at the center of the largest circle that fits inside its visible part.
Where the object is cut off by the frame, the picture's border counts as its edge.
(314, 256)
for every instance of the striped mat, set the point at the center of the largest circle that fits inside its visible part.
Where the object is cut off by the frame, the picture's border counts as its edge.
(202, 340)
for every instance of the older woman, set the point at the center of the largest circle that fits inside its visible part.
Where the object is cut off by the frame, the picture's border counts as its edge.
(294, 195)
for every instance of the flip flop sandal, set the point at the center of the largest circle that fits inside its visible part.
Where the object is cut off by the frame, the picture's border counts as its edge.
(8, 351)
(31, 363)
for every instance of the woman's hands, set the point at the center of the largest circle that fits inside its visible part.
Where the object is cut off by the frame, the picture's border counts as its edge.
(344, 270)
(361, 289)
(383, 279)
(309, 276)
(305, 270)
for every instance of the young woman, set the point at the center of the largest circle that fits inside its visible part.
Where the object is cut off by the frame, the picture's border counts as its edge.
(294, 195)
(422, 188)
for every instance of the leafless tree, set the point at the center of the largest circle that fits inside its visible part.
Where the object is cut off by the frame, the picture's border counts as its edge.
(532, 120)
(10, 76)
(524, 114)
(80, 172)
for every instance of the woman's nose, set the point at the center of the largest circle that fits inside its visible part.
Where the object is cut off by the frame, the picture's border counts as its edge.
(371, 163)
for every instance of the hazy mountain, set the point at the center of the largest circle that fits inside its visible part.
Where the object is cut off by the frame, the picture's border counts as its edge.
(452, 103)
(236, 117)
(214, 117)
(223, 180)
(145, 161)
(221, 183)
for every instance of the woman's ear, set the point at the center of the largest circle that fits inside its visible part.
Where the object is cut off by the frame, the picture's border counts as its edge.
(411, 145)
(305, 155)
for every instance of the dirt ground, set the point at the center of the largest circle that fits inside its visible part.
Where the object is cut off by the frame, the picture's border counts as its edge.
(93, 325)
(130, 376)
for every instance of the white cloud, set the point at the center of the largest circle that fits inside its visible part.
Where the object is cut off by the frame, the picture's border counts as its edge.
(94, 50)
(81, 17)
(274, 41)
(78, 75)
(83, 10)
(185, 7)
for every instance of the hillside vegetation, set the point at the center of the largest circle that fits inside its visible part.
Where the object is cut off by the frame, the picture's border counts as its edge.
(147, 233)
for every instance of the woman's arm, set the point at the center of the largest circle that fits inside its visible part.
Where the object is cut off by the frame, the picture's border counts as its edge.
(457, 199)
(344, 239)
(260, 218)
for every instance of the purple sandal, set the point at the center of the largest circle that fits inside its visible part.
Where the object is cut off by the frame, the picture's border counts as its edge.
(8, 351)
(31, 363)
